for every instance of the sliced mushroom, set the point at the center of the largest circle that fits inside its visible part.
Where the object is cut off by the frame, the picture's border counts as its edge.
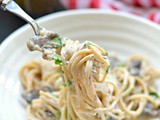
(31, 95)
(47, 88)
(150, 111)
(34, 93)
(135, 67)
(114, 61)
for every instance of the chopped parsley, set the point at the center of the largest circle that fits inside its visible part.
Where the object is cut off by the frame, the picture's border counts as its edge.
(63, 85)
(58, 60)
(58, 114)
(121, 65)
(107, 54)
(107, 70)
(89, 44)
(154, 94)
(69, 83)
(57, 41)
(62, 72)
(127, 86)
(66, 114)
(131, 91)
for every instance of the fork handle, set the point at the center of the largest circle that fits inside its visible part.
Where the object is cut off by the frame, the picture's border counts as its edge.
(14, 8)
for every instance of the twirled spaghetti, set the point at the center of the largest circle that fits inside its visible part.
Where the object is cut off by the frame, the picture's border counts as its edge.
(87, 84)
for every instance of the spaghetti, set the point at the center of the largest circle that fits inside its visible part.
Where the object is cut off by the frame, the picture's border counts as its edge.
(87, 84)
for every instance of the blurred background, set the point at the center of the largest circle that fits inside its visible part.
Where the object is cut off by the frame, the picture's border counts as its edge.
(149, 9)
(9, 22)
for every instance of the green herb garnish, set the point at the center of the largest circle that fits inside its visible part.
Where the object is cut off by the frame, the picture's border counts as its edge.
(121, 65)
(154, 94)
(89, 44)
(62, 72)
(66, 115)
(58, 114)
(107, 70)
(127, 86)
(132, 90)
(57, 41)
(69, 83)
(63, 85)
(58, 60)
(107, 54)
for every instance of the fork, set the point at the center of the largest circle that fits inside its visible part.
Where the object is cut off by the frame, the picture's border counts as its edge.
(14, 8)
(44, 39)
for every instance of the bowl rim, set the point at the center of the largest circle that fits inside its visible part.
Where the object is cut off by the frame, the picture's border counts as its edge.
(23, 28)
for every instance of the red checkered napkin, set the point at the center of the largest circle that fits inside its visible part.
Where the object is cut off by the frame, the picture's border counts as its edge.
(149, 9)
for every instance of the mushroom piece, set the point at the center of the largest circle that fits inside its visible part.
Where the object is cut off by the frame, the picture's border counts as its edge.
(149, 113)
(29, 96)
(114, 61)
(135, 67)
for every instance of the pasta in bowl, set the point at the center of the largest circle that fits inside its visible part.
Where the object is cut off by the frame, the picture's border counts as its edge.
(84, 83)
(46, 83)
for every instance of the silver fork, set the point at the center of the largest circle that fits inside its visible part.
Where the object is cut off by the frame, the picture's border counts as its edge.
(43, 43)
(14, 8)
(40, 43)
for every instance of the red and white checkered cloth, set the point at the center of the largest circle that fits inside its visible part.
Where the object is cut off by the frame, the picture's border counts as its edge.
(146, 8)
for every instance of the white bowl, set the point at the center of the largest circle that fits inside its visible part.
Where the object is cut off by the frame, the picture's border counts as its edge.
(122, 33)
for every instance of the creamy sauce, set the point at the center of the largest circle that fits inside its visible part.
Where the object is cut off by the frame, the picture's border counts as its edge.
(44, 44)
(50, 44)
